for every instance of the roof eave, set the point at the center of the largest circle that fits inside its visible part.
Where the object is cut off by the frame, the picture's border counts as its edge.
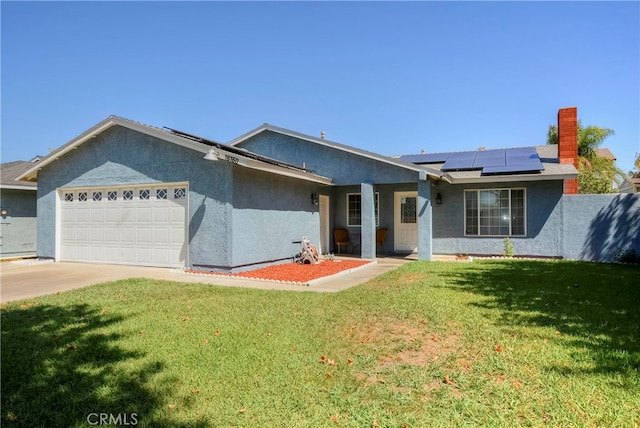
(512, 178)
(32, 173)
(29, 186)
(252, 163)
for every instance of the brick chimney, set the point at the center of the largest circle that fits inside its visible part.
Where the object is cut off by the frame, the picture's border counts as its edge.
(568, 144)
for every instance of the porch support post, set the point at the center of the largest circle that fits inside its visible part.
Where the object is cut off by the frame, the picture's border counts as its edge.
(424, 219)
(368, 221)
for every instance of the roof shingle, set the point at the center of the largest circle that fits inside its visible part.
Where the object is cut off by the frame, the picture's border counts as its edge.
(9, 171)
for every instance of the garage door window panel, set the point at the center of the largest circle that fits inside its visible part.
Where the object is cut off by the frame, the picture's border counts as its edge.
(179, 193)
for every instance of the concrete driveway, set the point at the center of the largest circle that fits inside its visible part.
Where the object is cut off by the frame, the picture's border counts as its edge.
(26, 279)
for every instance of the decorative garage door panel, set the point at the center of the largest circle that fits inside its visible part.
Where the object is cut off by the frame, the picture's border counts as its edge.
(135, 226)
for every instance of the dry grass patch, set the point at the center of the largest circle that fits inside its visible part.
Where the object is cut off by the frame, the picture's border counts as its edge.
(401, 346)
(426, 349)
(405, 342)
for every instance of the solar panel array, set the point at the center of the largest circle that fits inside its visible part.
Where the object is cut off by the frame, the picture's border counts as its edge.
(499, 161)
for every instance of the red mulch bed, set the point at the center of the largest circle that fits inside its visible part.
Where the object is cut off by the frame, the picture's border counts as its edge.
(294, 272)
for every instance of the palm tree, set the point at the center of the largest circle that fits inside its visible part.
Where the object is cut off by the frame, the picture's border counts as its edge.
(595, 174)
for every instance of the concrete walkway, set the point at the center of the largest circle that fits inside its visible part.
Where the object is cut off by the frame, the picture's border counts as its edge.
(30, 278)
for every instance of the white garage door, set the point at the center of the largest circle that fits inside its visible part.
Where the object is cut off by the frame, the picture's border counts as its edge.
(145, 225)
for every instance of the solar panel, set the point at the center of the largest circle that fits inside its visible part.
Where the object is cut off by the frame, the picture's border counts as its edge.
(489, 158)
(520, 154)
(522, 159)
(437, 157)
(426, 158)
(495, 161)
(509, 169)
(412, 158)
(459, 160)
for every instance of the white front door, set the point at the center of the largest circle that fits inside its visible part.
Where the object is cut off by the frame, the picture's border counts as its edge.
(324, 224)
(405, 229)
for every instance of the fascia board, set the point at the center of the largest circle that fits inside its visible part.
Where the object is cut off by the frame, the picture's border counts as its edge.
(19, 187)
(510, 178)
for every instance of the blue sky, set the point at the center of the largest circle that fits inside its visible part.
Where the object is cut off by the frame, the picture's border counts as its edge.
(393, 78)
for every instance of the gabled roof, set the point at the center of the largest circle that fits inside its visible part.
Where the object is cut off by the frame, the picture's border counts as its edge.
(266, 127)
(10, 171)
(223, 152)
(547, 154)
(605, 153)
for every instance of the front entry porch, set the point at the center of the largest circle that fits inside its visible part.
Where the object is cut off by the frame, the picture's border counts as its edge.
(404, 210)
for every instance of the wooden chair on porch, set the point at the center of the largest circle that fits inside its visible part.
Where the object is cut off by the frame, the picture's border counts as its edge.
(381, 235)
(341, 238)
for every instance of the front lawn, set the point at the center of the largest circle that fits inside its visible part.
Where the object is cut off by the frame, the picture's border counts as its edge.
(488, 343)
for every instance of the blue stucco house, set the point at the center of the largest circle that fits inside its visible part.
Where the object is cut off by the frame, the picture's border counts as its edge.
(128, 193)
(17, 211)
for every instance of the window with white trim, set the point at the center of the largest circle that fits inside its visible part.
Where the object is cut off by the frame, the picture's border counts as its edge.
(354, 209)
(495, 212)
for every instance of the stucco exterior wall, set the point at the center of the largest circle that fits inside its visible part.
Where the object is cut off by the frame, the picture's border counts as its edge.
(348, 172)
(120, 156)
(543, 221)
(577, 227)
(344, 168)
(18, 227)
(269, 212)
(597, 227)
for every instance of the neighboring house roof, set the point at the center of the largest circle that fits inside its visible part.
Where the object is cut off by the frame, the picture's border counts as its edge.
(338, 146)
(212, 148)
(605, 153)
(631, 185)
(548, 157)
(10, 171)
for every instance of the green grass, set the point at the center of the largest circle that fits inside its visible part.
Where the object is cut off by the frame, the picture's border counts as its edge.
(488, 343)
